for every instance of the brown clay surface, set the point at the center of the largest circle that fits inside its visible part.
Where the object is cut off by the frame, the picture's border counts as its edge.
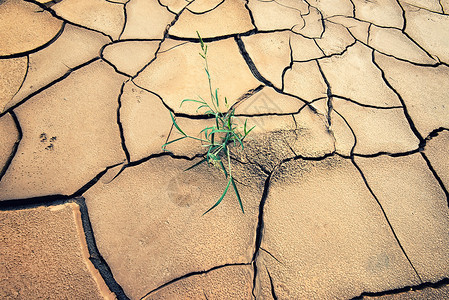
(344, 179)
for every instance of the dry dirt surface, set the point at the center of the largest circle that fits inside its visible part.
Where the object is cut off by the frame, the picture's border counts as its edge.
(344, 179)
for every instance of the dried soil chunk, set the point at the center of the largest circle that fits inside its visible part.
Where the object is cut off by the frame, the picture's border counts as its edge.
(377, 130)
(159, 233)
(141, 52)
(70, 134)
(100, 15)
(416, 207)
(25, 27)
(316, 212)
(146, 20)
(44, 255)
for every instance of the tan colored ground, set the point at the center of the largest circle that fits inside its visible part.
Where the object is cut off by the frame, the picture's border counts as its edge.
(344, 179)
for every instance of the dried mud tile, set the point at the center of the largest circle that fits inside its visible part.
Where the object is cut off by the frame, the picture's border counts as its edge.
(74, 47)
(387, 13)
(12, 75)
(430, 30)
(25, 27)
(353, 75)
(377, 130)
(228, 282)
(436, 151)
(304, 49)
(320, 216)
(268, 101)
(445, 5)
(270, 15)
(9, 136)
(44, 255)
(329, 8)
(159, 234)
(270, 53)
(423, 90)
(393, 42)
(119, 54)
(335, 39)
(203, 6)
(313, 139)
(313, 24)
(231, 17)
(70, 134)
(146, 20)
(308, 87)
(175, 6)
(357, 28)
(99, 15)
(146, 122)
(416, 208)
(183, 68)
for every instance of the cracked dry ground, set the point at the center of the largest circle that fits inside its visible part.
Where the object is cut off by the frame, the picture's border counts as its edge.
(344, 180)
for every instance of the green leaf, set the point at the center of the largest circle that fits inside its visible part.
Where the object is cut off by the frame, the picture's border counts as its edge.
(201, 40)
(221, 198)
(223, 168)
(237, 194)
(192, 100)
(176, 125)
(195, 165)
(216, 97)
(175, 140)
(207, 72)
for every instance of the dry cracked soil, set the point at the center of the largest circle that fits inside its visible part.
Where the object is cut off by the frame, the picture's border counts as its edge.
(344, 179)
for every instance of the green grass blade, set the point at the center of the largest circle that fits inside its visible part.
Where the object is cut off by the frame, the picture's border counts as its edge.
(195, 165)
(237, 193)
(176, 124)
(221, 198)
(175, 140)
(216, 97)
(223, 168)
(201, 40)
(192, 100)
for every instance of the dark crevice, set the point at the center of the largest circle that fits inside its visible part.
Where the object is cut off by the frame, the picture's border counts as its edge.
(404, 107)
(273, 291)
(289, 67)
(351, 152)
(260, 229)
(440, 182)
(94, 255)
(251, 16)
(438, 284)
(329, 95)
(15, 147)
(49, 85)
(20, 54)
(120, 125)
(404, 20)
(192, 274)
(365, 105)
(386, 218)
(434, 133)
(397, 154)
(125, 19)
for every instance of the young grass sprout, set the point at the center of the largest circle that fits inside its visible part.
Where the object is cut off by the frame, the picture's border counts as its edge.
(218, 138)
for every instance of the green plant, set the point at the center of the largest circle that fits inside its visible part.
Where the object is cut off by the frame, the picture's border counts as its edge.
(218, 138)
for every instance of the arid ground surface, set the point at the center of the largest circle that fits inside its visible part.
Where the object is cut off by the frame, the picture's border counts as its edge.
(344, 179)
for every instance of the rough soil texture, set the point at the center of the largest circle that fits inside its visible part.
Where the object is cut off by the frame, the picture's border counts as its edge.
(344, 179)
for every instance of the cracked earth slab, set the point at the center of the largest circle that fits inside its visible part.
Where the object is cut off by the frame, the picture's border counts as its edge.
(343, 180)
(45, 255)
